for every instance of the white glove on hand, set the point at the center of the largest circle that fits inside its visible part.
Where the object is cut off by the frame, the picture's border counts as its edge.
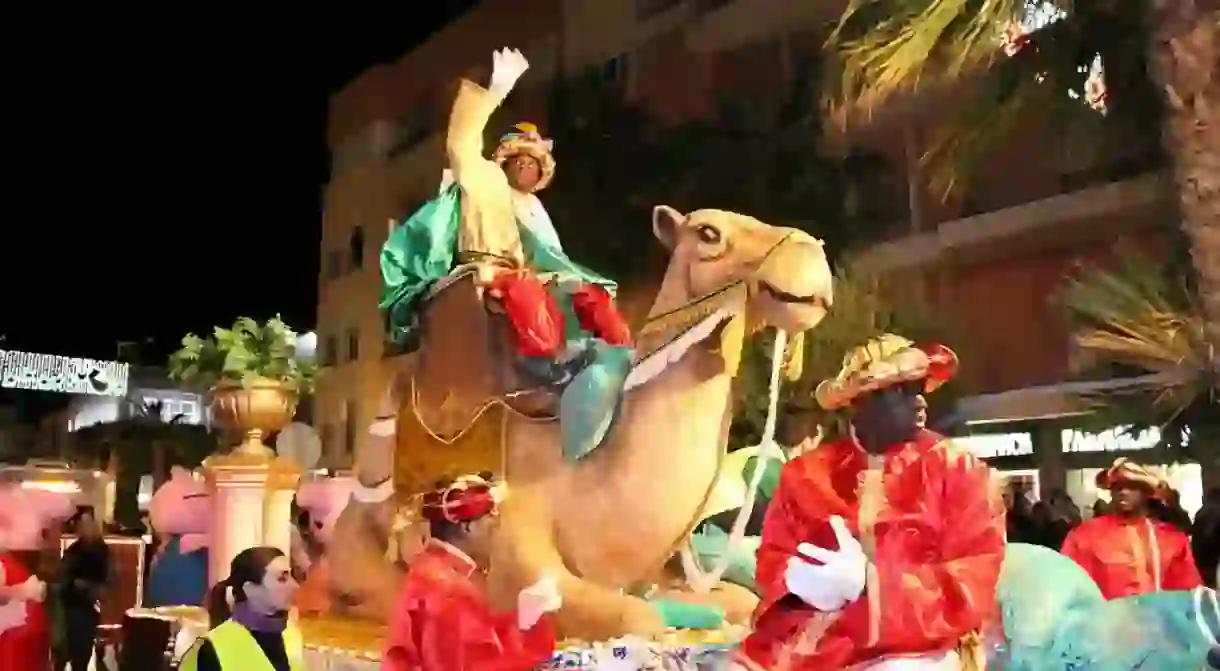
(32, 589)
(507, 67)
(536, 600)
(840, 577)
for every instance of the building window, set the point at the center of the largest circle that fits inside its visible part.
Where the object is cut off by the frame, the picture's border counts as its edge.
(615, 70)
(330, 350)
(646, 9)
(350, 422)
(190, 412)
(353, 344)
(355, 245)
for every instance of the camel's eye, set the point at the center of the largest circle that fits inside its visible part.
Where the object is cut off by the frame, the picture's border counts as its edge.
(708, 235)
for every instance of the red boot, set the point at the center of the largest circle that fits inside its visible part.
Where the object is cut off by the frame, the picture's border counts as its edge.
(598, 315)
(537, 323)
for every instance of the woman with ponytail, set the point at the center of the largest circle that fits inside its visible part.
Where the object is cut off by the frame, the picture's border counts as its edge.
(249, 616)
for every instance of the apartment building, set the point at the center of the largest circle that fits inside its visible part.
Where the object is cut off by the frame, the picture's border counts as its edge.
(989, 259)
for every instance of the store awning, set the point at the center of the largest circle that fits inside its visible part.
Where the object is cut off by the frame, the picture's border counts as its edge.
(1045, 402)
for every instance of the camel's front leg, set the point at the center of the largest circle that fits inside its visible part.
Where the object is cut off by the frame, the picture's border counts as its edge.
(524, 551)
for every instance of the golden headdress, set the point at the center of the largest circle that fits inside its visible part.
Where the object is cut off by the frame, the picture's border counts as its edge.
(883, 362)
(1125, 470)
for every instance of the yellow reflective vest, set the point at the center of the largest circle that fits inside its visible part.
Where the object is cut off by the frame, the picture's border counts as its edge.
(237, 650)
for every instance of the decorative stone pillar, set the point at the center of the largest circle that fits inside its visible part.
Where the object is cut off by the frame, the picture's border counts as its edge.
(251, 504)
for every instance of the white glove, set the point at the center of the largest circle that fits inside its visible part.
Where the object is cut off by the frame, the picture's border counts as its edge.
(32, 589)
(507, 67)
(839, 578)
(536, 600)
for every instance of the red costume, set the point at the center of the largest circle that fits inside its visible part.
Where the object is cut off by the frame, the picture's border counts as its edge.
(929, 521)
(443, 621)
(24, 641)
(1128, 556)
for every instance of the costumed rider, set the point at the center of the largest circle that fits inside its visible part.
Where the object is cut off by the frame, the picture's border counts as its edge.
(181, 515)
(249, 612)
(845, 580)
(488, 218)
(1126, 551)
(443, 621)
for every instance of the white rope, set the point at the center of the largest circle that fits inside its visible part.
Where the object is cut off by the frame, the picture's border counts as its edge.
(699, 581)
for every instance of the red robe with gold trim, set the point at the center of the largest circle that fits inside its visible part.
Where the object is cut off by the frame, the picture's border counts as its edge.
(931, 521)
(442, 621)
(1128, 557)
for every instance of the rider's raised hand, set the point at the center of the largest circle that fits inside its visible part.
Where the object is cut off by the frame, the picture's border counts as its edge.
(507, 67)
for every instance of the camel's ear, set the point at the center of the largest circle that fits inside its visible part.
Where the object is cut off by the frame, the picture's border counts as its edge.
(665, 224)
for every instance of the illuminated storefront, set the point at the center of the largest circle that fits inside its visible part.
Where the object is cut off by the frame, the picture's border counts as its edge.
(1052, 454)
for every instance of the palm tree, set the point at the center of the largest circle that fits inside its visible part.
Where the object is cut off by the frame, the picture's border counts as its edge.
(1140, 321)
(146, 442)
(1145, 64)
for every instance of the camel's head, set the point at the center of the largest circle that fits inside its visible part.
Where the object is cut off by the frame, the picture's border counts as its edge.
(789, 280)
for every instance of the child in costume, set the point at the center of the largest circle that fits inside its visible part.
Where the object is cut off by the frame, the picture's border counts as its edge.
(181, 514)
(25, 637)
(443, 621)
(324, 501)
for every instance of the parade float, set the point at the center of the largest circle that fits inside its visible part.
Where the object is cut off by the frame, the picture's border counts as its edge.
(612, 463)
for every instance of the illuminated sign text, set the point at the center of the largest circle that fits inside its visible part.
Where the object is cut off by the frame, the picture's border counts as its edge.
(1118, 439)
(987, 446)
(62, 374)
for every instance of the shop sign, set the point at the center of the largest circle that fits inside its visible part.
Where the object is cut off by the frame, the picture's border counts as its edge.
(988, 446)
(1118, 439)
(62, 374)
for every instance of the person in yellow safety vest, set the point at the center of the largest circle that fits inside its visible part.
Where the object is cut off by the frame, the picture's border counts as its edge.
(250, 609)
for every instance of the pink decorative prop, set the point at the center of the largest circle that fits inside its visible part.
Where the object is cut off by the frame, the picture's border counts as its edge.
(325, 501)
(182, 507)
(25, 513)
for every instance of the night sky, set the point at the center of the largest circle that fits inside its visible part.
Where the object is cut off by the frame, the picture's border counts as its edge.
(164, 181)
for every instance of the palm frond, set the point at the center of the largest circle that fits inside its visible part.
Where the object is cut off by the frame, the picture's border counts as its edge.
(1139, 319)
(892, 47)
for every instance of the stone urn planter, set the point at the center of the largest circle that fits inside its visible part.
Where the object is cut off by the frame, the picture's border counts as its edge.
(257, 408)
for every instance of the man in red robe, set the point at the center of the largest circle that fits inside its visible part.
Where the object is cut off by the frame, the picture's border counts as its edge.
(880, 550)
(442, 621)
(1126, 551)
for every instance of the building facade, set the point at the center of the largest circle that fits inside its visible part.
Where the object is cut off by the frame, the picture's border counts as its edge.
(988, 259)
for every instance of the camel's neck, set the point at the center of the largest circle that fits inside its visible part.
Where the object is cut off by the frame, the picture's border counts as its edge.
(679, 415)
